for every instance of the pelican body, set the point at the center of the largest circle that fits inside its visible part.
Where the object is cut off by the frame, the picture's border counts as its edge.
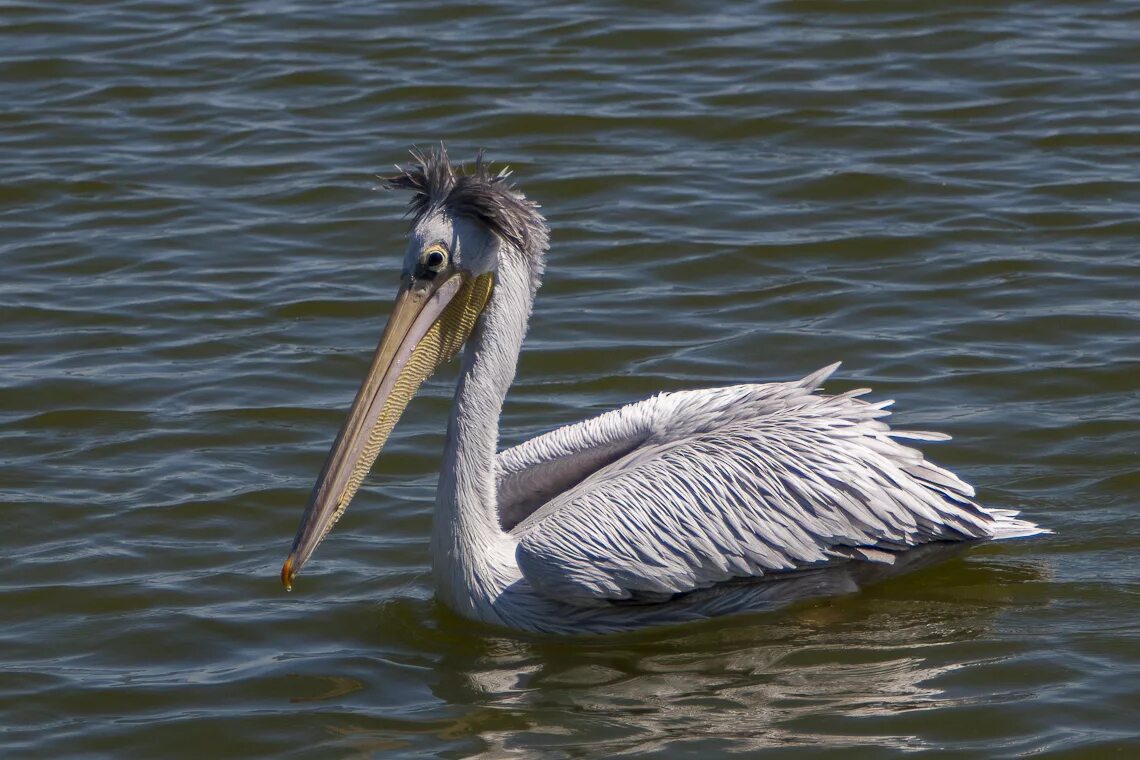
(679, 507)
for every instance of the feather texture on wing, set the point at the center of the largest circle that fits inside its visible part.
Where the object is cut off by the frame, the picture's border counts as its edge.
(700, 487)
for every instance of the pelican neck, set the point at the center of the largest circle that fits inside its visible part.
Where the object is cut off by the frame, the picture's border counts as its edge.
(472, 557)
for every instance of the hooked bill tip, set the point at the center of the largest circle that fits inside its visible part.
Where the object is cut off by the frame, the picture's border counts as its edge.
(287, 574)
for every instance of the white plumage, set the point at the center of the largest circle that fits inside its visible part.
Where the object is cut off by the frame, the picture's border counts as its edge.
(711, 485)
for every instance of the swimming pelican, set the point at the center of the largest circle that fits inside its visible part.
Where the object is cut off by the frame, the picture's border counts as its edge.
(647, 514)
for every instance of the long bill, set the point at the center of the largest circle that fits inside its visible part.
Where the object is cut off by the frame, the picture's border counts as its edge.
(429, 323)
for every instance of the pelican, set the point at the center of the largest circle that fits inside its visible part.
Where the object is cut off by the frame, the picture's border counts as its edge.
(678, 507)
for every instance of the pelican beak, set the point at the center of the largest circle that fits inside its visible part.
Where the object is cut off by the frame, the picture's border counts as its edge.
(429, 323)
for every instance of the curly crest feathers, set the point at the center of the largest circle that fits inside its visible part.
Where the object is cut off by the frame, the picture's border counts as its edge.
(477, 194)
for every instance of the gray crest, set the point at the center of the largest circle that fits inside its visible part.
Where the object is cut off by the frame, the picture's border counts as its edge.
(478, 194)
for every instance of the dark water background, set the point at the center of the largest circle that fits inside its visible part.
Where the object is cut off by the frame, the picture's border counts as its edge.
(195, 266)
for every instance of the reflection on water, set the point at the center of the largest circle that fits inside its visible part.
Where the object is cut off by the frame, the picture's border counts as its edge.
(842, 672)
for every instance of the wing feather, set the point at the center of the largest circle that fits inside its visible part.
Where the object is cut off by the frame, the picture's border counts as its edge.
(533, 473)
(530, 474)
(767, 479)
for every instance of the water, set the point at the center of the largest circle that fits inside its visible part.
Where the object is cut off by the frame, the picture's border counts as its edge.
(196, 268)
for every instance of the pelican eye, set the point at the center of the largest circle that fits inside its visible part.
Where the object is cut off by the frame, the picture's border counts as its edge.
(433, 260)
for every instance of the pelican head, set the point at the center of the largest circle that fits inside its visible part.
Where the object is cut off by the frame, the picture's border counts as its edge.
(462, 224)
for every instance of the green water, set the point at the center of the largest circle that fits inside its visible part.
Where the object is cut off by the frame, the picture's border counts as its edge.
(196, 264)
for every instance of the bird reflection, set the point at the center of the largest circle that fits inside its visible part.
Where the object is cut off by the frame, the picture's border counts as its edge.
(812, 674)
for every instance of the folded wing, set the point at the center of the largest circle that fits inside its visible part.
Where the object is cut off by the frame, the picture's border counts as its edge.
(773, 481)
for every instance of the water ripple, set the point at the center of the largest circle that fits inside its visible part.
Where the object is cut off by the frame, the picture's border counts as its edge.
(197, 264)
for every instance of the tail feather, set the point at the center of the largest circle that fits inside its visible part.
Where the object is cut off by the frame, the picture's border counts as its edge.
(1006, 524)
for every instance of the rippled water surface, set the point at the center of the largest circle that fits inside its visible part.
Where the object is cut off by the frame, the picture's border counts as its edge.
(197, 263)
